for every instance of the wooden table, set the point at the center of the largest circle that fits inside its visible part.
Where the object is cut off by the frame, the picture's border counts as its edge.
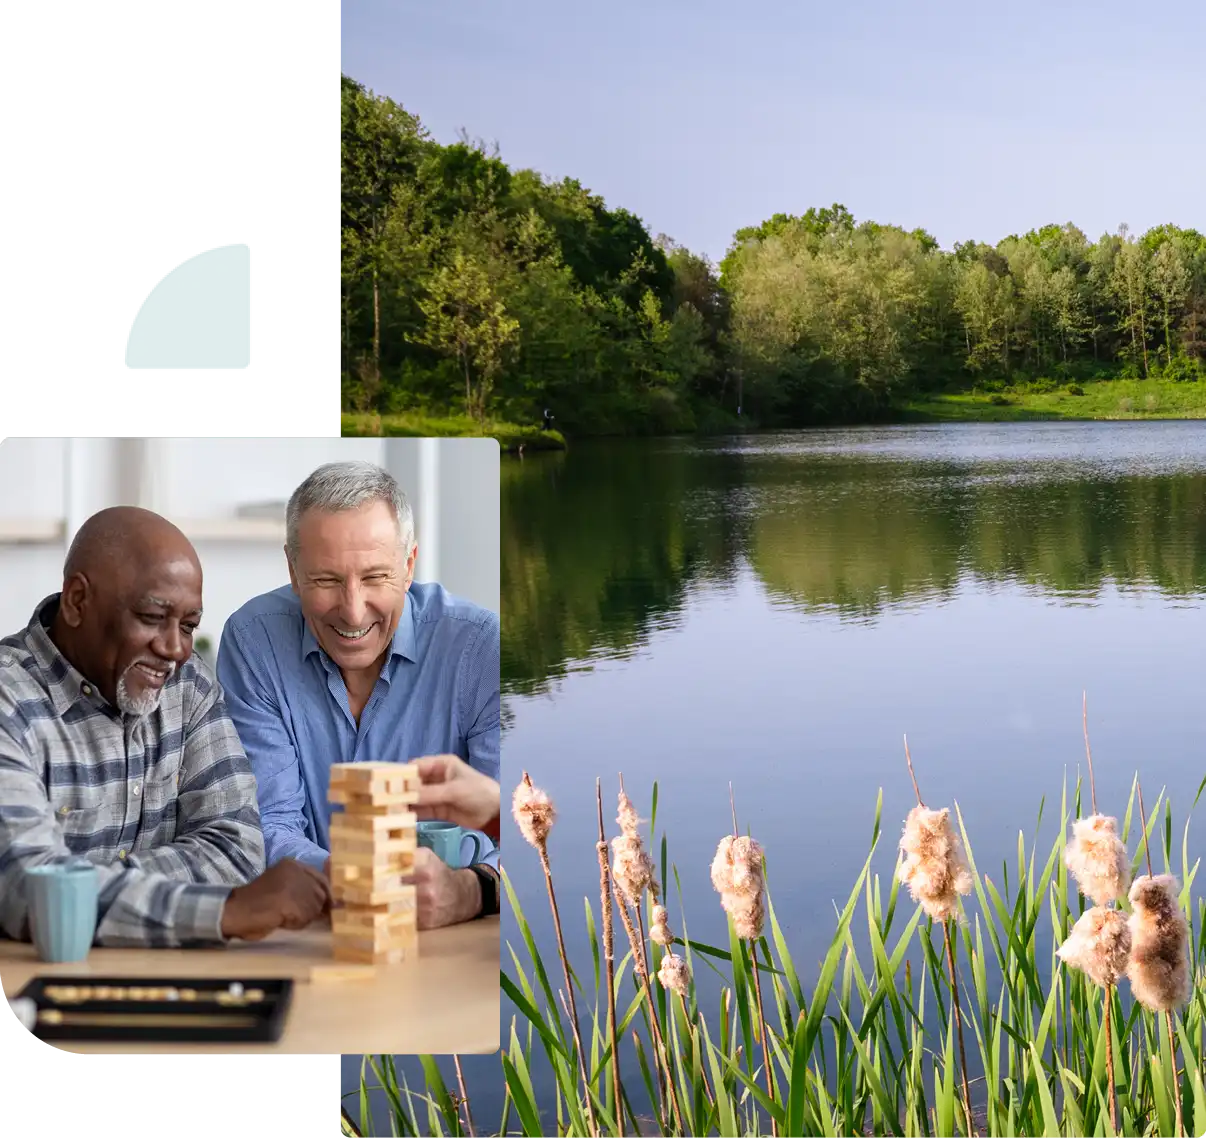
(445, 1001)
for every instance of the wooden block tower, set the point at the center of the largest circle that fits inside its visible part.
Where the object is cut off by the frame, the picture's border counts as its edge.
(373, 844)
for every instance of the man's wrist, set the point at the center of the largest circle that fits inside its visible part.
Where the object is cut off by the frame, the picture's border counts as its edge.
(470, 892)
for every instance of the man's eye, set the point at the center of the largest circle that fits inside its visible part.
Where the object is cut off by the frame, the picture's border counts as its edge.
(188, 629)
(150, 617)
(374, 578)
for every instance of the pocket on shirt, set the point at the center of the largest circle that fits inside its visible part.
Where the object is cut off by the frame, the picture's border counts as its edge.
(79, 826)
(159, 803)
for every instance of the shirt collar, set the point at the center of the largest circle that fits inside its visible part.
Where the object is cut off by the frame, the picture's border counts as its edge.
(65, 685)
(404, 644)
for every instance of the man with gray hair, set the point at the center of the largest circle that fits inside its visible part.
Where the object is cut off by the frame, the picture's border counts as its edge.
(354, 662)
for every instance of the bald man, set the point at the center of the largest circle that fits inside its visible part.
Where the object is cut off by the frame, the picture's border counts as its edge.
(115, 745)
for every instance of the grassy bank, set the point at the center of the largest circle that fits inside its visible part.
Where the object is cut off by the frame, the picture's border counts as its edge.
(510, 436)
(872, 1047)
(1103, 399)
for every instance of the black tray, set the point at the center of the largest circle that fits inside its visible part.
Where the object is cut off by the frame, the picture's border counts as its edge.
(199, 1018)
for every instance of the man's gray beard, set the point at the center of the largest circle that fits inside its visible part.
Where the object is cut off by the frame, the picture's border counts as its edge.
(145, 704)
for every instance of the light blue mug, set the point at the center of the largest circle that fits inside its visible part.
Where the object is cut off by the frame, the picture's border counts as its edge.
(448, 842)
(62, 899)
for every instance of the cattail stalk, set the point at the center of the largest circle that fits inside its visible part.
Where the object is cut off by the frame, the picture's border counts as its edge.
(1168, 1016)
(950, 960)
(1109, 989)
(540, 840)
(605, 904)
(766, 1056)
(628, 820)
(460, 1083)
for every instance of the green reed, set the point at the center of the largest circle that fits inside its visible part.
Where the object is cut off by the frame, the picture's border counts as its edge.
(871, 1047)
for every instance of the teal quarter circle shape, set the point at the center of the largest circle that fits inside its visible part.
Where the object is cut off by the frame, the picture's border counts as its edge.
(198, 316)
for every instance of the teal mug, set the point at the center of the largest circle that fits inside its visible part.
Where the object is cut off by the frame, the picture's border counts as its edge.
(62, 898)
(448, 842)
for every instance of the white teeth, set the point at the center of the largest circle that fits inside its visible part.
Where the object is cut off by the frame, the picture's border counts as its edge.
(358, 634)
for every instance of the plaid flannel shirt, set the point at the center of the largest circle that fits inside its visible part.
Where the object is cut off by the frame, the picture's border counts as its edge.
(164, 805)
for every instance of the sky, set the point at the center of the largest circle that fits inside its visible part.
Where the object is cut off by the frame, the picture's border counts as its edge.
(971, 120)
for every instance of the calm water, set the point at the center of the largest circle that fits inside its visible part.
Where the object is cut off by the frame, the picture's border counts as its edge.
(778, 610)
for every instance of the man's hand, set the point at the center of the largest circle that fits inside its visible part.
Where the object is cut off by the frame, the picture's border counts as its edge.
(452, 791)
(288, 895)
(444, 896)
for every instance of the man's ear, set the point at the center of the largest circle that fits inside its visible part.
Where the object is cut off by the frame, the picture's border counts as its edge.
(410, 564)
(292, 572)
(77, 592)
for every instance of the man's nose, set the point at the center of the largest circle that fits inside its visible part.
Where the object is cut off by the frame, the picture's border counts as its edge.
(354, 607)
(171, 645)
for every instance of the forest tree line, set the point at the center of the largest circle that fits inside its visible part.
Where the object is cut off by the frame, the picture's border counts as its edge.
(468, 287)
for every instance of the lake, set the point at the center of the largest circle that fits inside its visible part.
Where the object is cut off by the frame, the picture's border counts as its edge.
(777, 610)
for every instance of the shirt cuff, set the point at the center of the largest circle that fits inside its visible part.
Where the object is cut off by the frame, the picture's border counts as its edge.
(199, 914)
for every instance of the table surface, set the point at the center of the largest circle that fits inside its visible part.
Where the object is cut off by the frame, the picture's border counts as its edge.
(445, 1001)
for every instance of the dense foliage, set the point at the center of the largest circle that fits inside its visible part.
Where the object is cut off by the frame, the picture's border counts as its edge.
(469, 287)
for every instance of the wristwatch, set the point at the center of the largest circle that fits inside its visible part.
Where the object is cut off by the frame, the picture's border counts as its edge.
(488, 880)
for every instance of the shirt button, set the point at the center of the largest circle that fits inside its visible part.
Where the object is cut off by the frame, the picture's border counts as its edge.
(137, 790)
(86, 689)
(64, 809)
(121, 854)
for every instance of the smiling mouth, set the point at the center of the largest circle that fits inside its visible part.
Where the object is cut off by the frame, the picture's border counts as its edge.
(353, 635)
(155, 677)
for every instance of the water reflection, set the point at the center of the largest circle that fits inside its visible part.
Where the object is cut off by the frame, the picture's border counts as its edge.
(602, 546)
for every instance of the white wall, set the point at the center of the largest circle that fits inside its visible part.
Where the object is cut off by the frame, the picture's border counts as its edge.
(49, 486)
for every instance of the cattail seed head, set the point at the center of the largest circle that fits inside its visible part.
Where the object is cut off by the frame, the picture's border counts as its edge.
(632, 868)
(534, 813)
(737, 875)
(674, 973)
(933, 864)
(1098, 859)
(1159, 964)
(660, 932)
(627, 817)
(1099, 945)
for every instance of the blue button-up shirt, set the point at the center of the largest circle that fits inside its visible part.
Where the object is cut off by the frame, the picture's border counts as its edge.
(438, 693)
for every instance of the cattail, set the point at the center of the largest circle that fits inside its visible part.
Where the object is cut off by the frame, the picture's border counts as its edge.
(660, 932)
(627, 817)
(632, 868)
(534, 813)
(737, 877)
(674, 974)
(933, 865)
(1099, 945)
(1159, 964)
(1098, 859)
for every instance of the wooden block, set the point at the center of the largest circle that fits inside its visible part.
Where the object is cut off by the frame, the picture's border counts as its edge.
(359, 824)
(365, 778)
(336, 974)
(356, 894)
(368, 956)
(342, 843)
(355, 918)
(373, 803)
(377, 939)
(367, 864)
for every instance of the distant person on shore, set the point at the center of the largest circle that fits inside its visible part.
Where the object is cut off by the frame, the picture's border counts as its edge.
(548, 420)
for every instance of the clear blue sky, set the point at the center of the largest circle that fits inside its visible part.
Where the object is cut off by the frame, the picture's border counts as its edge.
(974, 120)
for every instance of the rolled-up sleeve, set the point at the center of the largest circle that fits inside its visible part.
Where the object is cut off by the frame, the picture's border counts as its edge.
(256, 715)
(218, 837)
(137, 907)
(480, 703)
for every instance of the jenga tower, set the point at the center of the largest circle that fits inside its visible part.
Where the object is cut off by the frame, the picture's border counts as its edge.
(373, 844)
